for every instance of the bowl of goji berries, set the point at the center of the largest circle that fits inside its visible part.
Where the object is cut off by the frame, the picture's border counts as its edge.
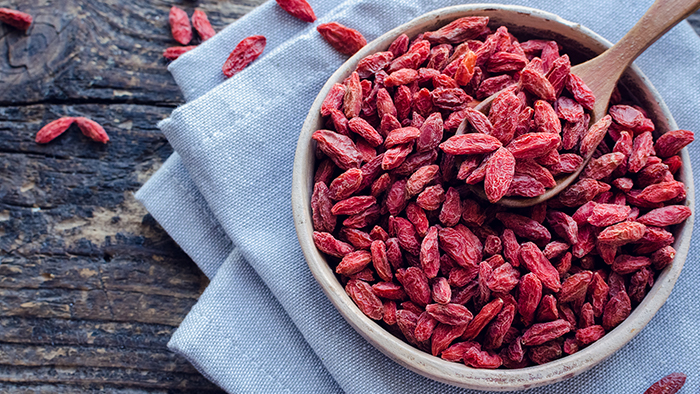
(463, 290)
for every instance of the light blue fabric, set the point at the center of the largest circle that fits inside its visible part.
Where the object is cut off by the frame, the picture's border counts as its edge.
(236, 140)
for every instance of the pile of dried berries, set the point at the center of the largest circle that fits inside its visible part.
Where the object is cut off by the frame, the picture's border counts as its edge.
(471, 281)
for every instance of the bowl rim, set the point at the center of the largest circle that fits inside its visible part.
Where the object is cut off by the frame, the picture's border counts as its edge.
(423, 363)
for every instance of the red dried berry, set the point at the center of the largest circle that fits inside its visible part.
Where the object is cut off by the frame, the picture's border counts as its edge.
(173, 53)
(327, 244)
(499, 174)
(365, 299)
(346, 184)
(581, 92)
(487, 313)
(415, 284)
(459, 248)
(443, 335)
(616, 310)
(575, 286)
(458, 31)
(533, 259)
(321, 206)
(339, 148)
(430, 253)
(669, 384)
(180, 25)
(441, 292)
(343, 39)
(672, 142)
(470, 144)
(202, 26)
(53, 129)
(525, 227)
(642, 148)
(540, 333)
(92, 129)
(299, 9)
(452, 314)
(533, 145)
(245, 53)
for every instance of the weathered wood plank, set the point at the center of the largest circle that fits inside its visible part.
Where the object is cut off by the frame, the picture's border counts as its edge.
(111, 51)
(160, 360)
(144, 275)
(23, 330)
(87, 377)
(94, 305)
(62, 388)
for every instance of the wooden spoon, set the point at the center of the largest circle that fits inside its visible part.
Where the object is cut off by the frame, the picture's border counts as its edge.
(601, 75)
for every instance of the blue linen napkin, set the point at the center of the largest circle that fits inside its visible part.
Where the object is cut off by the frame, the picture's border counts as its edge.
(264, 325)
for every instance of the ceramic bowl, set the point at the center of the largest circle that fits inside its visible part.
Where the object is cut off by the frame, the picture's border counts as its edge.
(524, 23)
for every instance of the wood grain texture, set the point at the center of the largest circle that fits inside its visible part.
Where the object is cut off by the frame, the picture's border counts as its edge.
(91, 288)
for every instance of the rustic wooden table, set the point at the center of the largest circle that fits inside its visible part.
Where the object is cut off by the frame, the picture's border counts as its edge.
(91, 288)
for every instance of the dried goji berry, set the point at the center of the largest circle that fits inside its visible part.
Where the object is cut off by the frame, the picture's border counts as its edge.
(299, 9)
(581, 92)
(343, 39)
(622, 233)
(334, 99)
(353, 262)
(441, 291)
(431, 198)
(179, 25)
(173, 53)
(458, 31)
(533, 145)
(443, 335)
(352, 100)
(53, 129)
(504, 116)
(415, 284)
(245, 53)
(669, 384)
(470, 144)
(535, 261)
(365, 299)
(327, 244)
(430, 253)
(537, 84)
(201, 24)
(525, 227)
(92, 129)
(670, 143)
(575, 286)
(540, 333)
(499, 174)
(459, 248)
(547, 310)
(616, 310)
(546, 119)
(642, 148)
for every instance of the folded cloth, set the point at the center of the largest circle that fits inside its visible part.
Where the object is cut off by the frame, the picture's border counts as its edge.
(236, 141)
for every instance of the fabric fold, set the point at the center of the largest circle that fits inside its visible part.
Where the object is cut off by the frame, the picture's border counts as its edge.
(237, 143)
(242, 361)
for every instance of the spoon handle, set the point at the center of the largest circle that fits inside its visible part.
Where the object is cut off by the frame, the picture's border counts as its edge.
(659, 18)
